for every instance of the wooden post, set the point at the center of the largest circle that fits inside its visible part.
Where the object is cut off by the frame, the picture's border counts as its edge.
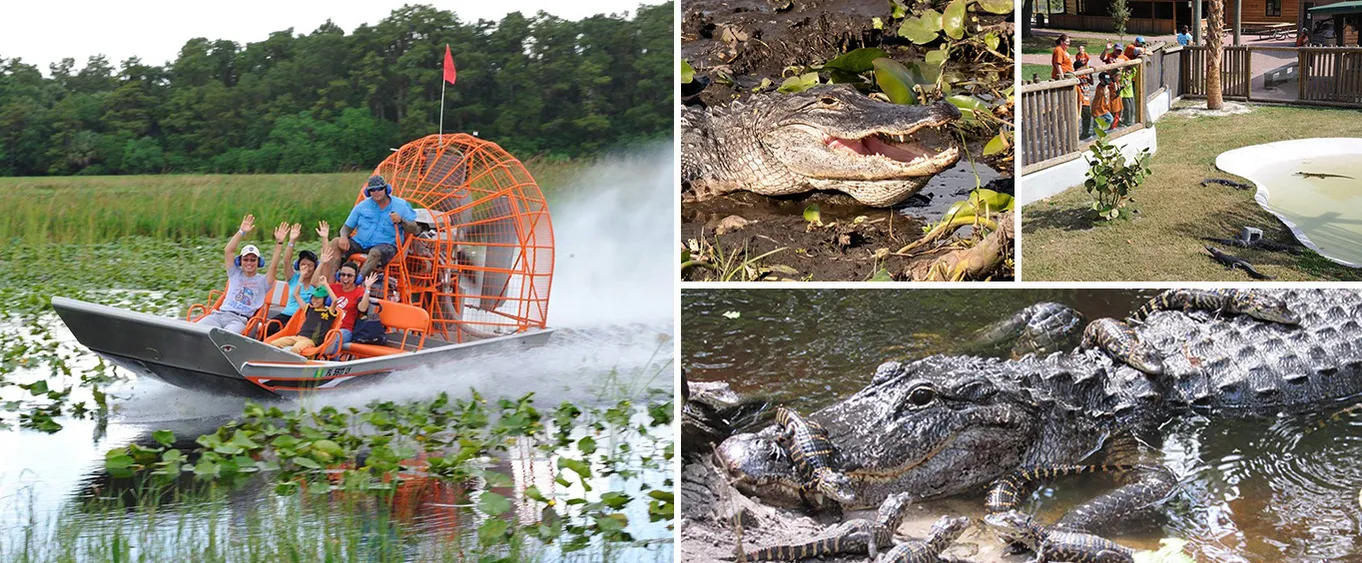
(1302, 72)
(1238, 21)
(1141, 104)
(1196, 22)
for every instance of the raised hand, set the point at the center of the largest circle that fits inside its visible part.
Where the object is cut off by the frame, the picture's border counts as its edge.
(370, 280)
(294, 231)
(323, 231)
(280, 232)
(247, 223)
(328, 254)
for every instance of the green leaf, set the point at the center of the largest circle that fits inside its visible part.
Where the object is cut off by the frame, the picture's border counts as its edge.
(813, 215)
(587, 445)
(922, 29)
(881, 275)
(493, 532)
(953, 20)
(36, 388)
(687, 73)
(996, 145)
(856, 61)
(615, 500)
(894, 79)
(898, 10)
(307, 462)
(493, 504)
(968, 106)
(877, 23)
(995, 201)
(533, 492)
(116, 459)
(163, 437)
(996, 6)
(795, 84)
(991, 39)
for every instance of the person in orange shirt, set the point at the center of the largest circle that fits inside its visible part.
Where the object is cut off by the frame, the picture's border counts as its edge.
(1060, 61)
(1082, 58)
(1085, 94)
(1101, 102)
(1110, 54)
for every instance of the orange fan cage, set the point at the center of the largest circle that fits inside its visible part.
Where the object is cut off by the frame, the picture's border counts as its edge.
(483, 265)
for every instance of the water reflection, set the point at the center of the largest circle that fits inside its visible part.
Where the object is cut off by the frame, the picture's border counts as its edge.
(1260, 490)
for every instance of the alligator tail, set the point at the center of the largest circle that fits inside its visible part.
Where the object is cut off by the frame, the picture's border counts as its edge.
(793, 552)
(1007, 492)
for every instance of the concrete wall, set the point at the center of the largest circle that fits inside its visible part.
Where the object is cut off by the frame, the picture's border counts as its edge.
(1056, 179)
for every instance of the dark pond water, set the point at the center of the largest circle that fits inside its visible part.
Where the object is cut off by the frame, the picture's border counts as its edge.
(1277, 489)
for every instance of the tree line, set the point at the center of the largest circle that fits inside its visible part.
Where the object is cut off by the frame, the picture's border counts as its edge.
(329, 101)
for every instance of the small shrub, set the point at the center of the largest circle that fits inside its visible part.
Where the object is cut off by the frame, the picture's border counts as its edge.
(1111, 178)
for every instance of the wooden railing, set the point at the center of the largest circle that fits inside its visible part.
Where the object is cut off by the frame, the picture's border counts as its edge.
(1163, 67)
(1328, 76)
(1053, 119)
(1235, 72)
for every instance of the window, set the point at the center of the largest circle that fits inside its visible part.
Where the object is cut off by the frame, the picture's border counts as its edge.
(1141, 10)
(1274, 7)
(1163, 10)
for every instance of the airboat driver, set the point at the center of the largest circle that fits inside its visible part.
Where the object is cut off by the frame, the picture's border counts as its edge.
(247, 288)
(370, 228)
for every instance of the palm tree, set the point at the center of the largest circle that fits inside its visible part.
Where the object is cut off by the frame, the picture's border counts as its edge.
(1215, 97)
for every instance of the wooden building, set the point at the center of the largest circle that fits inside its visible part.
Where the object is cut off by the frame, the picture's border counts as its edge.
(1165, 17)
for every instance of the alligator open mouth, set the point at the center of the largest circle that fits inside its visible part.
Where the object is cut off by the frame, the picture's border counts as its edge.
(925, 142)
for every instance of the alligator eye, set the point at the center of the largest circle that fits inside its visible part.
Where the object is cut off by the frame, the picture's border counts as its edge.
(828, 100)
(922, 396)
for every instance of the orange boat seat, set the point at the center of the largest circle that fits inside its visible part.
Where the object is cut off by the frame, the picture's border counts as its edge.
(410, 323)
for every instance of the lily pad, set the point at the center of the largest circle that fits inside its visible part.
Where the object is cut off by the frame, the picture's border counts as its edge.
(953, 21)
(896, 82)
(857, 61)
(996, 6)
(997, 144)
(922, 29)
(795, 84)
(687, 73)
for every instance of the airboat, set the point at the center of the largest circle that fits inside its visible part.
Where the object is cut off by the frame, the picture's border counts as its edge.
(475, 281)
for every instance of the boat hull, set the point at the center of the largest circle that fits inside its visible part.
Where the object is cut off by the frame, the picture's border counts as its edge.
(216, 361)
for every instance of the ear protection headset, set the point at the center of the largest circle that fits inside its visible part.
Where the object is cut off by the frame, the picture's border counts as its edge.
(350, 265)
(306, 254)
(326, 301)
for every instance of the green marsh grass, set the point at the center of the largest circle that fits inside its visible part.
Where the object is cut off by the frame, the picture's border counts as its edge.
(103, 208)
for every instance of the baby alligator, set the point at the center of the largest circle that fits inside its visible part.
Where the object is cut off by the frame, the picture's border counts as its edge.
(1231, 262)
(1055, 545)
(1323, 175)
(1255, 304)
(851, 537)
(1119, 341)
(944, 532)
(1230, 183)
(812, 453)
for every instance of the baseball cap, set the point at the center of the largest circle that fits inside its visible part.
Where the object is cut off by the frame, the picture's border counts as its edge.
(320, 292)
(250, 249)
(1139, 40)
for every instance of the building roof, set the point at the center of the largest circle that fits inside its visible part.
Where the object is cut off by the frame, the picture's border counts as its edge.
(1340, 8)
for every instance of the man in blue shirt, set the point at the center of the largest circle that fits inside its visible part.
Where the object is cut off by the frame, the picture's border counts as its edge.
(372, 226)
(1185, 38)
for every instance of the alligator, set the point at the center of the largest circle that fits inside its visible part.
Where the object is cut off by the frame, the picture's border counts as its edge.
(1058, 545)
(943, 533)
(824, 138)
(1256, 304)
(1119, 340)
(1231, 262)
(1230, 183)
(812, 455)
(851, 537)
(1323, 175)
(1261, 243)
(948, 425)
(1036, 329)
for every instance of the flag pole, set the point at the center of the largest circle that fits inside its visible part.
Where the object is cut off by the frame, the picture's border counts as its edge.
(442, 109)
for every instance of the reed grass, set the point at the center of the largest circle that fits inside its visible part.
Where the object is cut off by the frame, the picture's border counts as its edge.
(88, 209)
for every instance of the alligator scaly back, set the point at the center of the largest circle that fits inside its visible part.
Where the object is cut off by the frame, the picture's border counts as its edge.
(824, 138)
(812, 454)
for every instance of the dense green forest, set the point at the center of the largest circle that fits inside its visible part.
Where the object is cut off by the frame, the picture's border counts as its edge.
(331, 101)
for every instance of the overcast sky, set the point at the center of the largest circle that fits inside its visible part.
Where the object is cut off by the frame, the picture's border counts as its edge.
(46, 31)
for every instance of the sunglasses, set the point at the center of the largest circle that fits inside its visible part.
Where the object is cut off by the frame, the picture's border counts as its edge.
(345, 275)
(376, 189)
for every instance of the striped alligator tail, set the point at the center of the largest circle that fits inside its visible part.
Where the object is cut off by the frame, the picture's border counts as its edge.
(1007, 492)
(853, 536)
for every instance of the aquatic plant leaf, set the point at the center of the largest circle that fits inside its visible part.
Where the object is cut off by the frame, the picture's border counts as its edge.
(687, 73)
(996, 6)
(876, 23)
(493, 504)
(587, 445)
(813, 215)
(800, 83)
(997, 144)
(922, 29)
(896, 82)
(615, 500)
(857, 61)
(307, 462)
(493, 531)
(117, 459)
(995, 201)
(968, 105)
(991, 39)
(731, 315)
(881, 275)
(898, 10)
(164, 437)
(953, 20)
(533, 492)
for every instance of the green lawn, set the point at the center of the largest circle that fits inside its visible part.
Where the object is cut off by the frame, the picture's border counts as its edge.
(1045, 44)
(1160, 238)
(1039, 71)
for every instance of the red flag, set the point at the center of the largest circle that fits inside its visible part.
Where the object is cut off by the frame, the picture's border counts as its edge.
(449, 66)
